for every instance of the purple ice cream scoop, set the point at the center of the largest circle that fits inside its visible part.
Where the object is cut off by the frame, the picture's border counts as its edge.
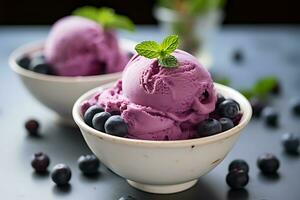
(77, 46)
(161, 103)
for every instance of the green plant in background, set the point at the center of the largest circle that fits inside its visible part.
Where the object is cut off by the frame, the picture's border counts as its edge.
(261, 88)
(192, 7)
(222, 80)
(184, 25)
(106, 17)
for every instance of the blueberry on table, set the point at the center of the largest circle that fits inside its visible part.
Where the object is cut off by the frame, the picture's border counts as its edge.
(270, 116)
(226, 123)
(90, 112)
(257, 107)
(237, 179)
(61, 174)
(115, 125)
(238, 55)
(88, 164)
(209, 127)
(290, 143)
(295, 105)
(24, 62)
(40, 162)
(32, 126)
(127, 198)
(276, 88)
(268, 164)
(99, 120)
(228, 108)
(238, 164)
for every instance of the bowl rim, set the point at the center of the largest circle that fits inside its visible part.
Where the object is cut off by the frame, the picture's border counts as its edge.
(244, 103)
(24, 49)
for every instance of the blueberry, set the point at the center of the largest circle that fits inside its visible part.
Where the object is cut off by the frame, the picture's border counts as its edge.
(238, 55)
(214, 115)
(88, 164)
(209, 127)
(41, 68)
(40, 162)
(238, 164)
(268, 163)
(237, 179)
(38, 65)
(257, 107)
(220, 99)
(226, 123)
(236, 120)
(130, 54)
(290, 143)
(32, 126)
(127, 198)
(270, 116)
(99, 120)
(90, 112)
(295, 105)
(24, 62)
(228, 108)
(61, 174)
(276, 88)
(115, 125)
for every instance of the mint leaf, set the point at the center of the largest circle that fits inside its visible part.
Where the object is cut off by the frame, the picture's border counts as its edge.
(148, 49)
(264, 85)
(106, 17)
(109, 19)
(170, 44)
(168, 61)
(123, 22)
(89, 12)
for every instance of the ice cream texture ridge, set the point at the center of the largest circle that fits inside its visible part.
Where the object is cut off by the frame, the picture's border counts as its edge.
(77, 46)
(160, 103)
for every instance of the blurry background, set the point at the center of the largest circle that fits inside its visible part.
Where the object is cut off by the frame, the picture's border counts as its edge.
(16, 12)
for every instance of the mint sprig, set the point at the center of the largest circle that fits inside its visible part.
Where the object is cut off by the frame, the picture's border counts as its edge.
(152, 49)
(106, 17)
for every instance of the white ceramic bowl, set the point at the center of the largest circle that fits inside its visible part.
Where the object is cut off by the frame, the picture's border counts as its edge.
(162, 166)
(59, 93)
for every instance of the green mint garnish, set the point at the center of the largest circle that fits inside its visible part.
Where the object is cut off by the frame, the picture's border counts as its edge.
(148, 49)
(168, 61)
(152, 49)
(106, 17)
